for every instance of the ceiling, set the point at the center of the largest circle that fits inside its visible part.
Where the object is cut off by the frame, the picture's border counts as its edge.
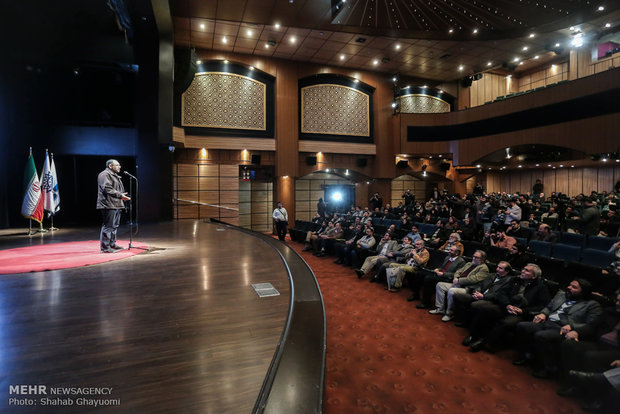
(438, 40)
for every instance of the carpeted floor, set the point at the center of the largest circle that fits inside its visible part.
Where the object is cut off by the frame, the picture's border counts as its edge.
(52, 256)
(386, 356)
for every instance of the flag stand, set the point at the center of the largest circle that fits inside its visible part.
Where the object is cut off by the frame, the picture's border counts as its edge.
(52, 228)
(30, 232)
(41, 229)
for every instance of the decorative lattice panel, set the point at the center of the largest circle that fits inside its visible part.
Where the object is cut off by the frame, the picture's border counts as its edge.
(224, 100)
(422, 104)
(334, 110)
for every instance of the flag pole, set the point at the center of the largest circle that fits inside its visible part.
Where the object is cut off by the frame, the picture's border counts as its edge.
(30, 232)
(41, 229)
(52, 228)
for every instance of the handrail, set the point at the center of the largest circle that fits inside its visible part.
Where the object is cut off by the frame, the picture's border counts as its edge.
(295, 380)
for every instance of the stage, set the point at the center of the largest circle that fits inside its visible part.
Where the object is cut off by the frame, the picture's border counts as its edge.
(176, 329)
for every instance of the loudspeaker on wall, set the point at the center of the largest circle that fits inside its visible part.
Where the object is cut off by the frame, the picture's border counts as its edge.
(402, 164)
(256, 159)
(362, 162)
(311, 160)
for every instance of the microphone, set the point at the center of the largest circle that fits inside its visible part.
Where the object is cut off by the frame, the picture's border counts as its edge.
(126, 173)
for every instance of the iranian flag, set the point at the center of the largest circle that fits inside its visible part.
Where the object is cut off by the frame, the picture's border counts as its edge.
(32, 207)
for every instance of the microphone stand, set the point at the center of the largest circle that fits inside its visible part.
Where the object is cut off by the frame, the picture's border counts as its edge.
(131, 223)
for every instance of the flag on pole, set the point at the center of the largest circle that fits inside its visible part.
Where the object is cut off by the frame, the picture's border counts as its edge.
(32, 206)
(55, 190)
(49, 187)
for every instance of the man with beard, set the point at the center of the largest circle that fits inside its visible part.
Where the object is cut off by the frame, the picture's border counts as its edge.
(584, 361)
(396, 271)
(569, 311)
(393, 256)
(385, 246)
(444, 273)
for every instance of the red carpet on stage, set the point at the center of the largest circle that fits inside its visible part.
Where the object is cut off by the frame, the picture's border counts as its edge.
(60, 256)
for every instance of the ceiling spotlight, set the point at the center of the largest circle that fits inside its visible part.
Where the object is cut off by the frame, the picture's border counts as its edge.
(198, 62)
(520, 63)
(225, 60)
(553, 67)
(394, 79)
(202, 26)
(451, 31)
(424, 86)
(461, 67)
(342, 57)
(224, 40)
(375, 62)
(607, 25)
(249, 32)
(538, 165)
(293, 39)
(525, 48)
(557, 45)
(277, 25)
(251, 67)
(397, 47)
(515, 59)
(536, 57)
(393, 104)
(475, 31)
(601, 8)
(478, 165)
(508, 156)
(489, 63)
(532, 35)
(604, 159)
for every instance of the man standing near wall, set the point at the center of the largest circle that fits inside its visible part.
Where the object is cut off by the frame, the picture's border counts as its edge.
(280, 217)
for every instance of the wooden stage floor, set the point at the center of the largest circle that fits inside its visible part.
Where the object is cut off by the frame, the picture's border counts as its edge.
(177, 329)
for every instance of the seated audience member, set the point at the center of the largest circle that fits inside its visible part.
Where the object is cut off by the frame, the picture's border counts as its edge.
(470, 274)
(545, 234)
(533, 222)
(569, 311)
(444, 273)
(342, 250)
(515, 230)
(439, 235)
(491, 296)
(363, 247)
(610, 224)
(500, 239)
(452, 224)
(592, 356)
(595, 387)
(414, 234)
(453, 240)
(530, 296)
(333, 232)
(615, 248)
(397, 255)
(468, 229)
(311, 235)
(518, 256)
(396, 271)
(385, 246)
(550, 214)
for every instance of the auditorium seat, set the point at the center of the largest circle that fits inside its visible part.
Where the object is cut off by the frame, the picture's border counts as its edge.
(566, 252)
(573, 239)
(553, 269)
(600, 243)
(598, 258)
(551, 222)
(540, 248)
(471, 247)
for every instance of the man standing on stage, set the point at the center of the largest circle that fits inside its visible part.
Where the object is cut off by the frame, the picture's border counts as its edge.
(110, 197)
(280, 216)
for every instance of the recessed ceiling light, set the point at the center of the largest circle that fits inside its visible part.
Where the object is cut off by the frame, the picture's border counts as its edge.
(407, 87)
(375, 62)
(572, 28)
(397, 47)
(356, 80)
(202, 26)
(198, 62)
(249, 32)
(532, 35)
(277, 25)
(225, 60)
(604, 160)
(342, 57)
(520, 63)
(478, 165)
(251, 67)
(293, 39)
(440, 91)
(538, 165)
(475, 31)
(424, 86)
(548, 165)
(509, 76)
(525, 48)
(224, 40)
(515, 59)
(489, 63)
(520, 166)
(451, 31)
(557, 45)
(461, 67)
(601, 8)
(536, 57)
(553, 67)
(561, 165)
(608, 25)
(394, 79)
(266, 45)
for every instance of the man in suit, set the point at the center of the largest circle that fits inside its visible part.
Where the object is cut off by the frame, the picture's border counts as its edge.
(396, 255)
(444, 273)
(530, 295)
(385, 246)
(492, 295)
(569, 311)
(471, 274)
(417, 257)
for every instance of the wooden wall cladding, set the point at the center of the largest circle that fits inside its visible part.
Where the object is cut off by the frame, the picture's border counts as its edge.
(400, 184)
(570, 181)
